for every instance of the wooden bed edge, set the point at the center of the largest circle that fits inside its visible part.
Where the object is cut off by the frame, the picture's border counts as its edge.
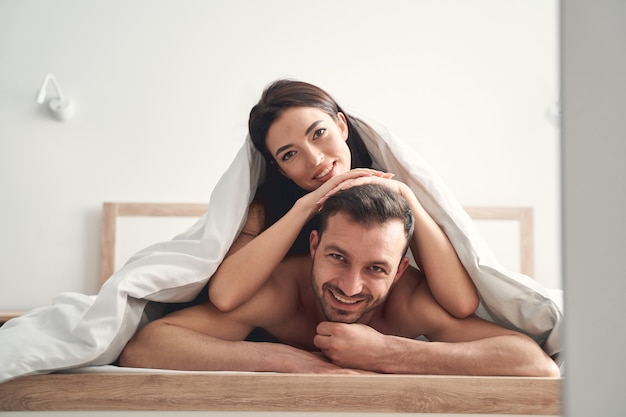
(281, 392)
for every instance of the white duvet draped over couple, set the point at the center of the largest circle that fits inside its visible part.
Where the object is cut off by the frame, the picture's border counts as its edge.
(77, 330)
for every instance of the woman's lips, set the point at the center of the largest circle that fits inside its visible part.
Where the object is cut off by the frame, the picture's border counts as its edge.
(323, 174)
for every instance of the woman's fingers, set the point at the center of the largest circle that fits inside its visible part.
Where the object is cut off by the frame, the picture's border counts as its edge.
(359, 172)
(352, 182)
(332, 186)
(348, 179)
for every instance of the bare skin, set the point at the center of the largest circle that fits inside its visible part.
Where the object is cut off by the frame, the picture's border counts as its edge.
(309, 148)
(379, 305)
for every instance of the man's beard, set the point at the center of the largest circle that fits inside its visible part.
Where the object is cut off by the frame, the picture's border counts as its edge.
(331, 313)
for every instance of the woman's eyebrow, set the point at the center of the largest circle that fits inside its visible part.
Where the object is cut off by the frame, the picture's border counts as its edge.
(306, 132)
(312, 127)
(282, 148)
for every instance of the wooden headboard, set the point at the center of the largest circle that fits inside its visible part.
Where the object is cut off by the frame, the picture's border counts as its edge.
(111, 211)
(522, 215)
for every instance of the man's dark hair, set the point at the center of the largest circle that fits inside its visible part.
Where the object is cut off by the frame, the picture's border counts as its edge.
(368, 205)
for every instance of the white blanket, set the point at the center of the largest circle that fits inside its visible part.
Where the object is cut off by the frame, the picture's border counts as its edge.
(78, 330)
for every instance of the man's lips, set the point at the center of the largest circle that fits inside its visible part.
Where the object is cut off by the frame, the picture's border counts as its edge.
(344, 301)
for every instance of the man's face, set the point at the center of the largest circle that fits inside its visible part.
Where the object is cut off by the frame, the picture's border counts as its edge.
(354, 266)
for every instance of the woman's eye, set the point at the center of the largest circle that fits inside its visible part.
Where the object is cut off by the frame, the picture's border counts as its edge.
(319, 132)
(288, 155)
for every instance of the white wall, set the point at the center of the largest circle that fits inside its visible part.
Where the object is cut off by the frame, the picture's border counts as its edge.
(163, 90)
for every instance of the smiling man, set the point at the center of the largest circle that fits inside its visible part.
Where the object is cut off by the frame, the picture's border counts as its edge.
(355, 304)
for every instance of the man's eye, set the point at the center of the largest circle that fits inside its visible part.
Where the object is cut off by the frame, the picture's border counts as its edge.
(337, 256)
(377, 269)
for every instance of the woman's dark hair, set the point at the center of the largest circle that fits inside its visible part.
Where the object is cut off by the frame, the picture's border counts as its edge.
(278, 193)
(285, 94)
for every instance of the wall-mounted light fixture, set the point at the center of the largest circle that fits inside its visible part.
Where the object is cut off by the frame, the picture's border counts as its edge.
(60, 106)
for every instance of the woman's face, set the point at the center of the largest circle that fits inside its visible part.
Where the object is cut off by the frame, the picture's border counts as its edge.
(308, 146)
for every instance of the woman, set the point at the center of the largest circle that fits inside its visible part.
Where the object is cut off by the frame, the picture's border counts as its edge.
(311, 150)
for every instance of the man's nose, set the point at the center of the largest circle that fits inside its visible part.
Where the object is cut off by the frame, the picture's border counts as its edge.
(351, 283)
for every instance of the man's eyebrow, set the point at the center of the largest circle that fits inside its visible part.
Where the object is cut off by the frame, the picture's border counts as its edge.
(335, 248)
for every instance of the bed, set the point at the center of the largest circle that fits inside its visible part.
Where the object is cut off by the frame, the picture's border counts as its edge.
(112, 388)
(84, 334)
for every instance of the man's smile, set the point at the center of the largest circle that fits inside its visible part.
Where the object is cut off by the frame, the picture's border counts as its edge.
(346, 301)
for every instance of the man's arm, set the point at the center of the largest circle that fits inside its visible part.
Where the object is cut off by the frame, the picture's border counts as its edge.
(203, 338)
(470, 346)
(361, 347)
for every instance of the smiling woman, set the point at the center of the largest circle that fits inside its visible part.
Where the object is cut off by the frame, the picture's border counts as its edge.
(323, 138)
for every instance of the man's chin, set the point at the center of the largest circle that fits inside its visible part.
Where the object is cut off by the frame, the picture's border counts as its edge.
(342, 316)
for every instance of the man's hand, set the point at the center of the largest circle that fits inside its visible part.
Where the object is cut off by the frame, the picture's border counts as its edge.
(290, 359)
(354, 346)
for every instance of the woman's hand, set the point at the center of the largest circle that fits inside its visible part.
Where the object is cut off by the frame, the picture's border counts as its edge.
(315, 199)
(385, 180)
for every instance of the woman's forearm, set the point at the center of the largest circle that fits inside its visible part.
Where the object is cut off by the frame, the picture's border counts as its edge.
(447, 278)
(243, 272)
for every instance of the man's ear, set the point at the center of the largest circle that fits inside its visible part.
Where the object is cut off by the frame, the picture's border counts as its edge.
(314, 242)
(404, 263)
(342, 123)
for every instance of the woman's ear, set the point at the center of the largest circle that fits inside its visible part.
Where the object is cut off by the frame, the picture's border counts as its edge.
(342, 123)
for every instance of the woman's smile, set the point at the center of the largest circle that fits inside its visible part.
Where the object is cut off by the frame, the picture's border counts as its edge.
(323, 175)
(309, 146)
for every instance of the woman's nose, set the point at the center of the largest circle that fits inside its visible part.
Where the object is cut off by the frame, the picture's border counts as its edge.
(314, 156)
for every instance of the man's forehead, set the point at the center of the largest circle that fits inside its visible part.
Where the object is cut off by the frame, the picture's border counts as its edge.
(346, 232)
(340, 219)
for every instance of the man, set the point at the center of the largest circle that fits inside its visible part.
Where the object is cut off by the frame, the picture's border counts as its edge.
(353, 305)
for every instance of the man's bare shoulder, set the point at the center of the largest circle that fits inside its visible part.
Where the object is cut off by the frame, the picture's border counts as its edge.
(410, 306)
(279, 297)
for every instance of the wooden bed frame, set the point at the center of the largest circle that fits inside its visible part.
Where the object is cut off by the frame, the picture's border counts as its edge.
(200, 391)
(231, 391)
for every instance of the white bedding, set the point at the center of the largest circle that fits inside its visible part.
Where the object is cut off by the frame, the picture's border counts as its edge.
(78, 330)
